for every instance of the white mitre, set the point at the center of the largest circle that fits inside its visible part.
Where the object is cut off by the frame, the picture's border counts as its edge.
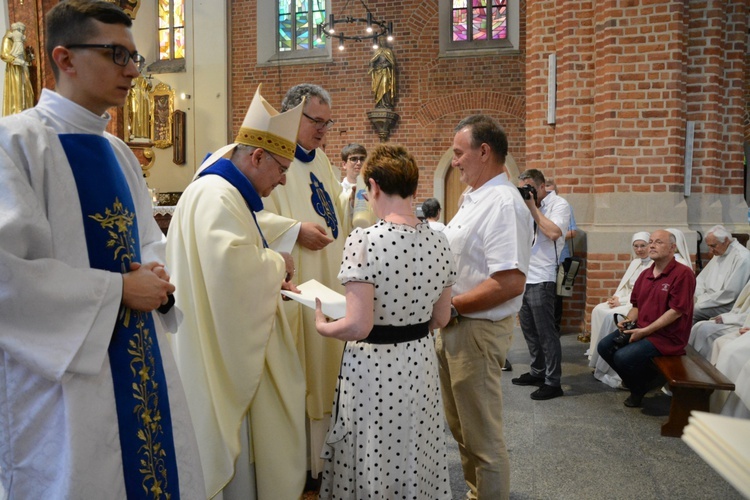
(263, 127)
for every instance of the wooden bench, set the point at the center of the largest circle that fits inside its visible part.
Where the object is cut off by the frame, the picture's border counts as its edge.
(692, 380)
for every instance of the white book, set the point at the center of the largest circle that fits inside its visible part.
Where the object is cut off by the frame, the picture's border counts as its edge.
(332, 303)
(724, 443)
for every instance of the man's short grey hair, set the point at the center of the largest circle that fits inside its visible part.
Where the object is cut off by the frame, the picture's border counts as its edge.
(535, 175)
(295, 95)
(720, 233)
(242, 149)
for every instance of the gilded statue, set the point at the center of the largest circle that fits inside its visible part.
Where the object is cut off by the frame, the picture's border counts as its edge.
(383, 71)
(19, 94)
(138, 109)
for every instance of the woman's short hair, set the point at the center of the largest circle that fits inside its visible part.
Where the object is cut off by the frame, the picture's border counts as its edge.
(394, 169)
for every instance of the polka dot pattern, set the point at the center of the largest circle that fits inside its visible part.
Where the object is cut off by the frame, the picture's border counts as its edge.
(386, 438)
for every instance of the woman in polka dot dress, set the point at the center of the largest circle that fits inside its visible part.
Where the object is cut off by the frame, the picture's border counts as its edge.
(386, 436)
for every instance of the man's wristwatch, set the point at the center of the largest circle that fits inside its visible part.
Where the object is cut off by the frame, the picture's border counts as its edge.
(454, 312)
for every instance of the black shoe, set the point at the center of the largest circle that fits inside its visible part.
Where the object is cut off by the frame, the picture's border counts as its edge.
(507, 367)
(528, 379)
(546, 392)
(634, 400)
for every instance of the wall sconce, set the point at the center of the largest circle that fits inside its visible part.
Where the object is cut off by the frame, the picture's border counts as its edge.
(184, 96)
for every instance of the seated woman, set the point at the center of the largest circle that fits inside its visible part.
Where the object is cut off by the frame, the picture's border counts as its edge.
(602, 317)
(386, 437)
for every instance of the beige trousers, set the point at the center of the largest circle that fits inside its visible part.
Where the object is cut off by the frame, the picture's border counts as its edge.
(471, 353)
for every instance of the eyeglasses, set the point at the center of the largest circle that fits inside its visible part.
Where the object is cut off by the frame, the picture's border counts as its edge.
(282, 168)
(355, 159)
(319, 124)
(120, 55)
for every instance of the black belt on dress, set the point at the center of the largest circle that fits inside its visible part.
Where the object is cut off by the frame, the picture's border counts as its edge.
(389, 334)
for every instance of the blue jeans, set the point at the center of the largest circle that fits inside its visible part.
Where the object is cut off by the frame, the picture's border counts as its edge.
(537, 317)
(632, 362)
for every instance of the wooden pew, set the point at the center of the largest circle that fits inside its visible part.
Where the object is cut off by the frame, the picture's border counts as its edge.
(692, 380)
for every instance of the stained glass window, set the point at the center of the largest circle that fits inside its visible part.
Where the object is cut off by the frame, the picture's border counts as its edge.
(298, 20)
(475, 20)
(171, 29)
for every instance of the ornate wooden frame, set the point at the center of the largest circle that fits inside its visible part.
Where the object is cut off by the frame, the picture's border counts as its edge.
(162, 107)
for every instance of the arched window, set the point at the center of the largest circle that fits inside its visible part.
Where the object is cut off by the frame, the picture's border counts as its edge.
(171, 30)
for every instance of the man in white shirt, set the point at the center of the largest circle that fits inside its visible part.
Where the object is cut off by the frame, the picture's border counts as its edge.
(490, 238)
(723, 278)
(552, 218)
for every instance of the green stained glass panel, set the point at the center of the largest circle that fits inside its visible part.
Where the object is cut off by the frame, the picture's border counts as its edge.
(285, 32)
(318, 18)
(285, 8)
(302, 32)
(301, 6)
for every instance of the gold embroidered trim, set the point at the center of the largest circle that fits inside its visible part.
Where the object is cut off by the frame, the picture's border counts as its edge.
(119, 221)
(266, 140)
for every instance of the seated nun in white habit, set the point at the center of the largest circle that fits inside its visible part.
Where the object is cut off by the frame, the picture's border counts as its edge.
(602, 317)
(683, 254)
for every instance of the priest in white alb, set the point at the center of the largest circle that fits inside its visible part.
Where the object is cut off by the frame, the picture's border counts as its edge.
(310, 218)
(720, 282)
(706, 333)
(235, 352)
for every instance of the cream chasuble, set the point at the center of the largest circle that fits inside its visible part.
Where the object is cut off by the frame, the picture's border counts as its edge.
(299, 201)
(234, 349)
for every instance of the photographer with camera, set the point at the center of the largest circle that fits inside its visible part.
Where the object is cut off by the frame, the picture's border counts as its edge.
(662, 311)
(551, 216)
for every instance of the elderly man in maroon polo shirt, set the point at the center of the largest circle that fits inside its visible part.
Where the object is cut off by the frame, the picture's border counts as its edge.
(662, 301)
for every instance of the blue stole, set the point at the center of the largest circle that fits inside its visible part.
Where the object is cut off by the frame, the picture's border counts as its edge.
(320, 199)
(229, 172)
(140, 387)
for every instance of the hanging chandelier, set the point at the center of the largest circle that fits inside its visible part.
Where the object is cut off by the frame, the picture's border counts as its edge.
(371, 28)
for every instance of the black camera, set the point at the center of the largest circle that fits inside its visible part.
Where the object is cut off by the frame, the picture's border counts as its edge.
(622, 339)
(527, 192)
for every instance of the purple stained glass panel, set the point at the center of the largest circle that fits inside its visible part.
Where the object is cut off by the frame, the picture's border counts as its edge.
(479, 21)
(499, 22)
(459, 25)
